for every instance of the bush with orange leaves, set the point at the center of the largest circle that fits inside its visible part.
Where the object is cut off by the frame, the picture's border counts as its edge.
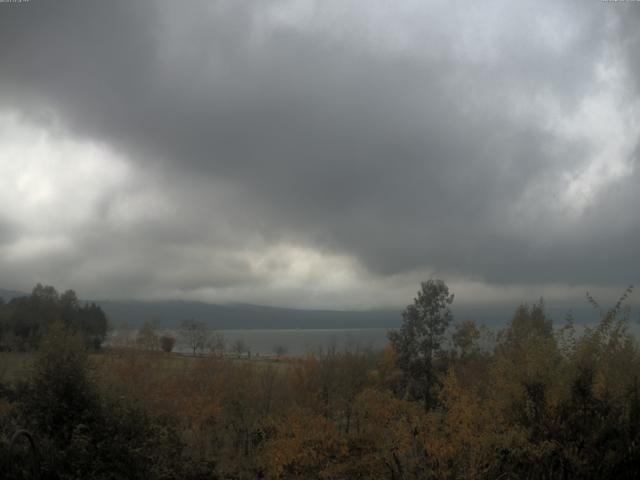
(302, 446)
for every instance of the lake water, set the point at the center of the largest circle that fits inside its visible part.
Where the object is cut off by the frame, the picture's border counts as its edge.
(298, 342)
(295, 341)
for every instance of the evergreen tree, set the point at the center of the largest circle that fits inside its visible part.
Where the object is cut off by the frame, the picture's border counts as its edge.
(419, 339)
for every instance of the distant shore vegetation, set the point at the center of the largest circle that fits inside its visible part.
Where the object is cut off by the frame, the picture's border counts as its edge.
(446, 399)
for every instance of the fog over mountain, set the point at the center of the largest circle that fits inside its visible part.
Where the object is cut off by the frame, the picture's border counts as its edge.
(321, 155)
(7, 295)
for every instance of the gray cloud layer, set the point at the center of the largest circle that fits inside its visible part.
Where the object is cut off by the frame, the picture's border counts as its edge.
(495, 143)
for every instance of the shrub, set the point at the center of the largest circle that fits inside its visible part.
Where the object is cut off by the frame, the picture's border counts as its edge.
(167, 343)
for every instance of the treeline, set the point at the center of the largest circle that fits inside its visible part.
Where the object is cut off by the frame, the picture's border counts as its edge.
(25, 320)
(445, 400)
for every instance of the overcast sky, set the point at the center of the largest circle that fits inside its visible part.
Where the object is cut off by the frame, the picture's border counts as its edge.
(325, 154)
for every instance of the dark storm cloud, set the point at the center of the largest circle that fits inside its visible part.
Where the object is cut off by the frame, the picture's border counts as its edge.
(430, 154)
(8, 232)
(628, 17)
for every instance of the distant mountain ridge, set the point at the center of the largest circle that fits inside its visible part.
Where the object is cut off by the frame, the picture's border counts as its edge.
(239, 316)
(7, 295)
(243, 316)
(170, 313)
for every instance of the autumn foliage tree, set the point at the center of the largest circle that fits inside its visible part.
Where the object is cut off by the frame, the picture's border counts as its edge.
(167, 343)
(147, 337)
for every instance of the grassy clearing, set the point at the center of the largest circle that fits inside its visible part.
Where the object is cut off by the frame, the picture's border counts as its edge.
(173, 360)
(14, 366)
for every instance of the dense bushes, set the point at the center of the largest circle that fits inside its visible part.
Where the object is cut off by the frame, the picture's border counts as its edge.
(539, 404)
(82, 433)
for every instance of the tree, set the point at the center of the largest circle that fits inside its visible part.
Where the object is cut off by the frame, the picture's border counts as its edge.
(218, 344)
(4, 323)
(93, 324)
(70, 305)
(464, 337)
(27, 319)
(83, 432)
(31, 316)
(529, 324)
(167, 343)
(195, 334)
(147, 337)
(239, 347)
(279, 350)
(420, 336)
(61, 393)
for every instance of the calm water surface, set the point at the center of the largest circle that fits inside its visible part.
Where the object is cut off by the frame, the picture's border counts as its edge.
(295, 341)
(301, 341)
